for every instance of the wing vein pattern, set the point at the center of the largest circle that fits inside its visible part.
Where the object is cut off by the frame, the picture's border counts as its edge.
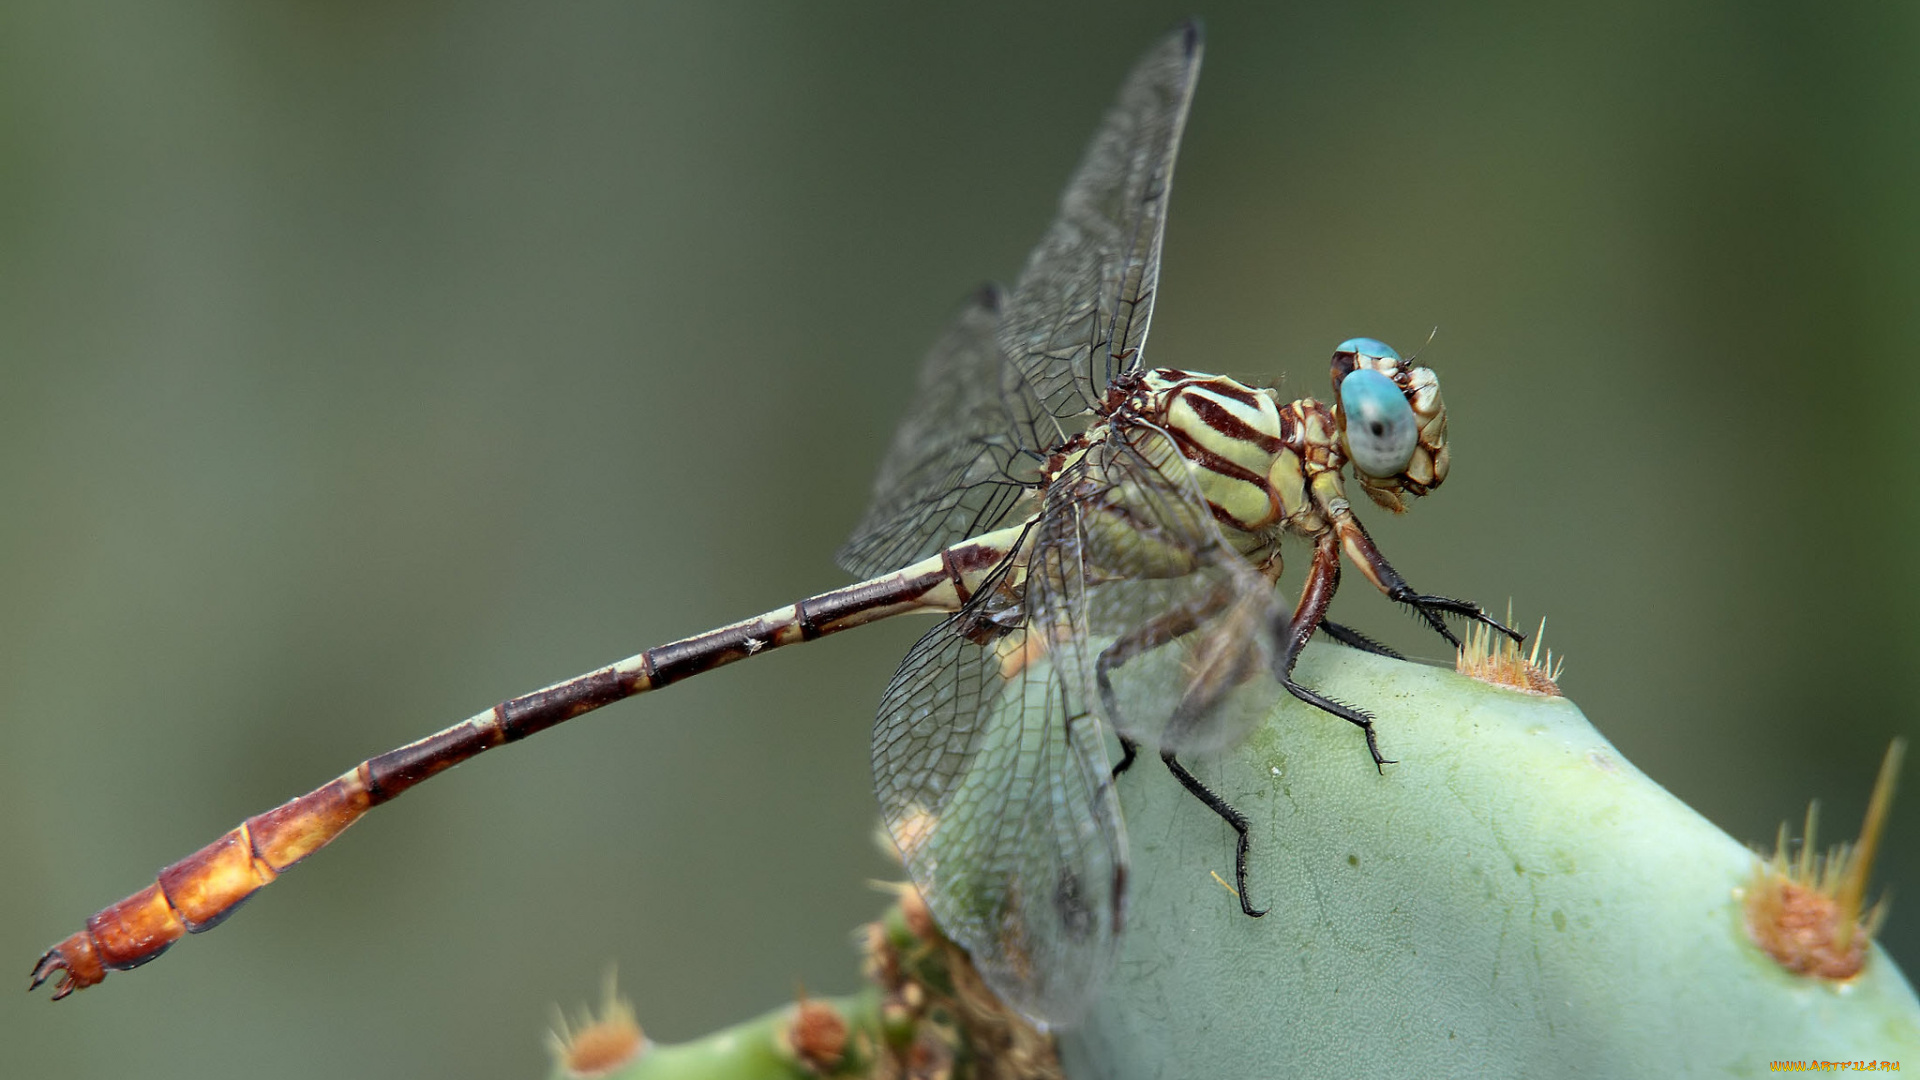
(990, 752)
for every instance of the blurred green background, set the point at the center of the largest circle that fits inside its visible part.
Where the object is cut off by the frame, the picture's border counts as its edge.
(364, 363)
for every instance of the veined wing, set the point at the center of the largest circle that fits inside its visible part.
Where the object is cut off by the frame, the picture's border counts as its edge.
(993, 779)
(990, 760)
(969, 450)
(1170, 617)
(989, 755)
(1013, 376)
(1079, 314)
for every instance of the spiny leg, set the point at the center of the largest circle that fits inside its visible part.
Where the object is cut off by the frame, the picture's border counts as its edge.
(1143, 638)
(1228, 814)
(1160, 630)
(1359, 548)
(1354, 639)
(1323, 578)
(1200, 696)
(1430, 608)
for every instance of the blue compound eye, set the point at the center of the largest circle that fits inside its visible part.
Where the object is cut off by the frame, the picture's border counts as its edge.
(1381, 432)
(1367, 346)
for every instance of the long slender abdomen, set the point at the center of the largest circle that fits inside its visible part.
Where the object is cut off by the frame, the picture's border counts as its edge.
(204, 888)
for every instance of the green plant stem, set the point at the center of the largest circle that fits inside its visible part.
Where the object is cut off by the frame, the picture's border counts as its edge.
(1511, 898)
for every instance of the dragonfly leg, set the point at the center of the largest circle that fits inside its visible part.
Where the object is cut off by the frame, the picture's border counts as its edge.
(1354, 639)
(1151, 635)
(1228, 814)
(1359, 547)
(1323, 578)
(1147, 636)
(1345, 635)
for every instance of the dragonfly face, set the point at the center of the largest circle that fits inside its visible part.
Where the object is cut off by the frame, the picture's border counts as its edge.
(1391, 422)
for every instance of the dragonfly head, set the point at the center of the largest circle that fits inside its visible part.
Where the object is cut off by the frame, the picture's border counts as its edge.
(1392, 424)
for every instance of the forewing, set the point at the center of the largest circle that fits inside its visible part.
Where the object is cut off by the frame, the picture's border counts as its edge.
(1173, 618)
(1079, 314)
(989, 760)
(993, 779)
(1016, 375)
(966, 455)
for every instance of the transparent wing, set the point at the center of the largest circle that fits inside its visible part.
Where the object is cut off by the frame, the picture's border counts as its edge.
(989, 758)
(966, 455)
(1173, 618)
(993, 779)
(1079, 314)
(1014, 375)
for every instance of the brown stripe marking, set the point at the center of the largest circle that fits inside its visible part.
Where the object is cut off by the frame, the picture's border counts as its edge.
(955, 575)
(393, 772)
(1213, 462)
(695, 655)
(1227, 519)
(809, 627)
(1215, 416)
(829, 611)
(1232, 391)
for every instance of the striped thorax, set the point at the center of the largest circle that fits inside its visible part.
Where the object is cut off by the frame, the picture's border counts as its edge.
(1266, 467)
(1231, 435)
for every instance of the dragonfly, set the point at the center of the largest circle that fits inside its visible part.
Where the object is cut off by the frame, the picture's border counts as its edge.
(1069, 514)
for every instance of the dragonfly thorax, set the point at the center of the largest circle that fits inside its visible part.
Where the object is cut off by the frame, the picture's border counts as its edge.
(1265, 466)
(1231, 435)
